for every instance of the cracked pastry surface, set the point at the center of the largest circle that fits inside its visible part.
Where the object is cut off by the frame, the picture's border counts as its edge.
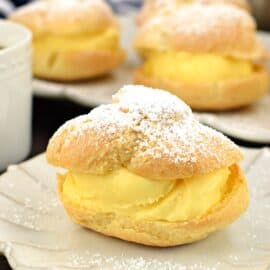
(143, 169)
(72, 41)
(152, 8)
(211, 59)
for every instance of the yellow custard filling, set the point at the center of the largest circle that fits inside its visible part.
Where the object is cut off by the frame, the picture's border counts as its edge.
(106, 40)
(126, 193)
(196, 68)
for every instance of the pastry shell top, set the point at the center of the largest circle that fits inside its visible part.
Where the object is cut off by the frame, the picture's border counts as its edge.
(153, 7)
(243, 4)
(65, 16)
(238, 3)
(149, 131)
(220, 29)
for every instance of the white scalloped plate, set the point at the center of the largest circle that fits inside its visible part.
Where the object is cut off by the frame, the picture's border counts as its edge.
(36, 234)
(251, 124)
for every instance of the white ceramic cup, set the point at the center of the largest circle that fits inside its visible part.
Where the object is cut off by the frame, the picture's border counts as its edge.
(15, 93)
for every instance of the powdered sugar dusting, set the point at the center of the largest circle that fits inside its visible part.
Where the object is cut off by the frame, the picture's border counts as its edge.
(238, 3)
(88, 259)
(66, 16)
(152, 104)
(224, 29)
(165, 7)
(211, 18)
(163, 125)
(62, 6)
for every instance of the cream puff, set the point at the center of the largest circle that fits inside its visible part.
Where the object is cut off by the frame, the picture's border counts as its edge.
(152, 8)
(208, 55)
(144, 170)
(72, 40)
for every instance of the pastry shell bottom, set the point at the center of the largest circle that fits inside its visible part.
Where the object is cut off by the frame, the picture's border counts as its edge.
(77, 65)
(161, 233)
(225, 95)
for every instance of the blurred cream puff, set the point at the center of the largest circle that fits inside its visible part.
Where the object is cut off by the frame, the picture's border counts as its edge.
(208, 55)
(144, 170)
(72, 40)
(152, 8)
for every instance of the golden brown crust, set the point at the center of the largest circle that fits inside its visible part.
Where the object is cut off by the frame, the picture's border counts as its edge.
(152, 8)
(62, 17)
(164, 234)
(219, 29)
(148, 131)
(226, 95)
(77, 65)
